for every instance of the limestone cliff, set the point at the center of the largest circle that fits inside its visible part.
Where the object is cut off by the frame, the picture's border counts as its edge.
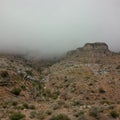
(91, 49)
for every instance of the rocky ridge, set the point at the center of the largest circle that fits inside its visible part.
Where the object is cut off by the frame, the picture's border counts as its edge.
(91, 49)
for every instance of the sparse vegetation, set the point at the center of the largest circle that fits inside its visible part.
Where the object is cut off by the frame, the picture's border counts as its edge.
(77, 103)
(23, 87)
(17, 116)
(4, 74)
(29, 72)
(114, 114)
(101, 90)
(25, 105)
(47, 93)
(16, 91)
(75, 88)
(118, 67)
(33, 114)
(32, 107)
(48, 112)
(94, 112)
(56, 106)
(41, 115)
(60, 117)
(81, 113)
(14, 103)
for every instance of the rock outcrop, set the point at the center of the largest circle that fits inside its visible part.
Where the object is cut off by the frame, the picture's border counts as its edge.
(92, 50)
(96, 46)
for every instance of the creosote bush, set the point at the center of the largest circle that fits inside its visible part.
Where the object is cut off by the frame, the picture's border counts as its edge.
(16, 91)
(101, 90)
(60, 117)
(14, 103)
(32, 107)
(94, 112)
(25, 105)
(40, 115)
(4, 74)
(79, 114)
(114, 114)
(17, 116)
(33, 114)
(29, 72)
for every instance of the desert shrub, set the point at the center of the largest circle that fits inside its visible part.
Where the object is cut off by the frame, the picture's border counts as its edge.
(23, 87)
(61, 102)
(47, 93)
(114, 114)
(29, 72)
(55, 95)
(111, 107)
(16, 91)
(66, 79)
(94, 112)
(25, 105)
(60, 117)
(41, 115)
(56, 106)
(79, 114)
(82, 117)
(4, 74)
(14, 103)
(118, 67)
(32, 107)
(48, 112)
(77, 103)
(17, 116)
(105, 102)
(90, 84)
(33, 114)
(5, 104)
(101, 90)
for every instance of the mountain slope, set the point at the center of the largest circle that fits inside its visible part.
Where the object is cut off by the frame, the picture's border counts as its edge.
(84, 85)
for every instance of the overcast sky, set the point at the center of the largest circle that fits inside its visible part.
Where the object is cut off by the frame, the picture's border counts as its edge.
(56, 26)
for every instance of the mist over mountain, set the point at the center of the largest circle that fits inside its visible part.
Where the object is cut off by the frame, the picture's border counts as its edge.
(59, 59)
(50, 28)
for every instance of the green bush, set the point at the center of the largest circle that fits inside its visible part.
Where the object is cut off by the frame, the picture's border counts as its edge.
(4, 74)
(114, 114)
(33, 114)
(29, 72)
(32, 107)
(48, 112)
(41, 115)
(101, 90)
(14, 103)
(23, 87)
(79, 114)
(17, 116)
(16, 91)
(77, 103)
(5, 104)
(47, 93)
(25, 105)
(118, 67)
(60, 117)
(94, 112)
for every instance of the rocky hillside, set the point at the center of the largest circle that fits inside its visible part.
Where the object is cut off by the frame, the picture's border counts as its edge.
(82, 86)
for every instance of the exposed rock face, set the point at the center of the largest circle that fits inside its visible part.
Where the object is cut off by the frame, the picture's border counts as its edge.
(91, 49)
(96, 46)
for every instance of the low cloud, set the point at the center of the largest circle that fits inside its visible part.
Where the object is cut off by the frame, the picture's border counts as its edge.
(50, 27)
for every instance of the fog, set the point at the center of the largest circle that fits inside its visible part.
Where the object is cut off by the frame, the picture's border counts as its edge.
(53, 27)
